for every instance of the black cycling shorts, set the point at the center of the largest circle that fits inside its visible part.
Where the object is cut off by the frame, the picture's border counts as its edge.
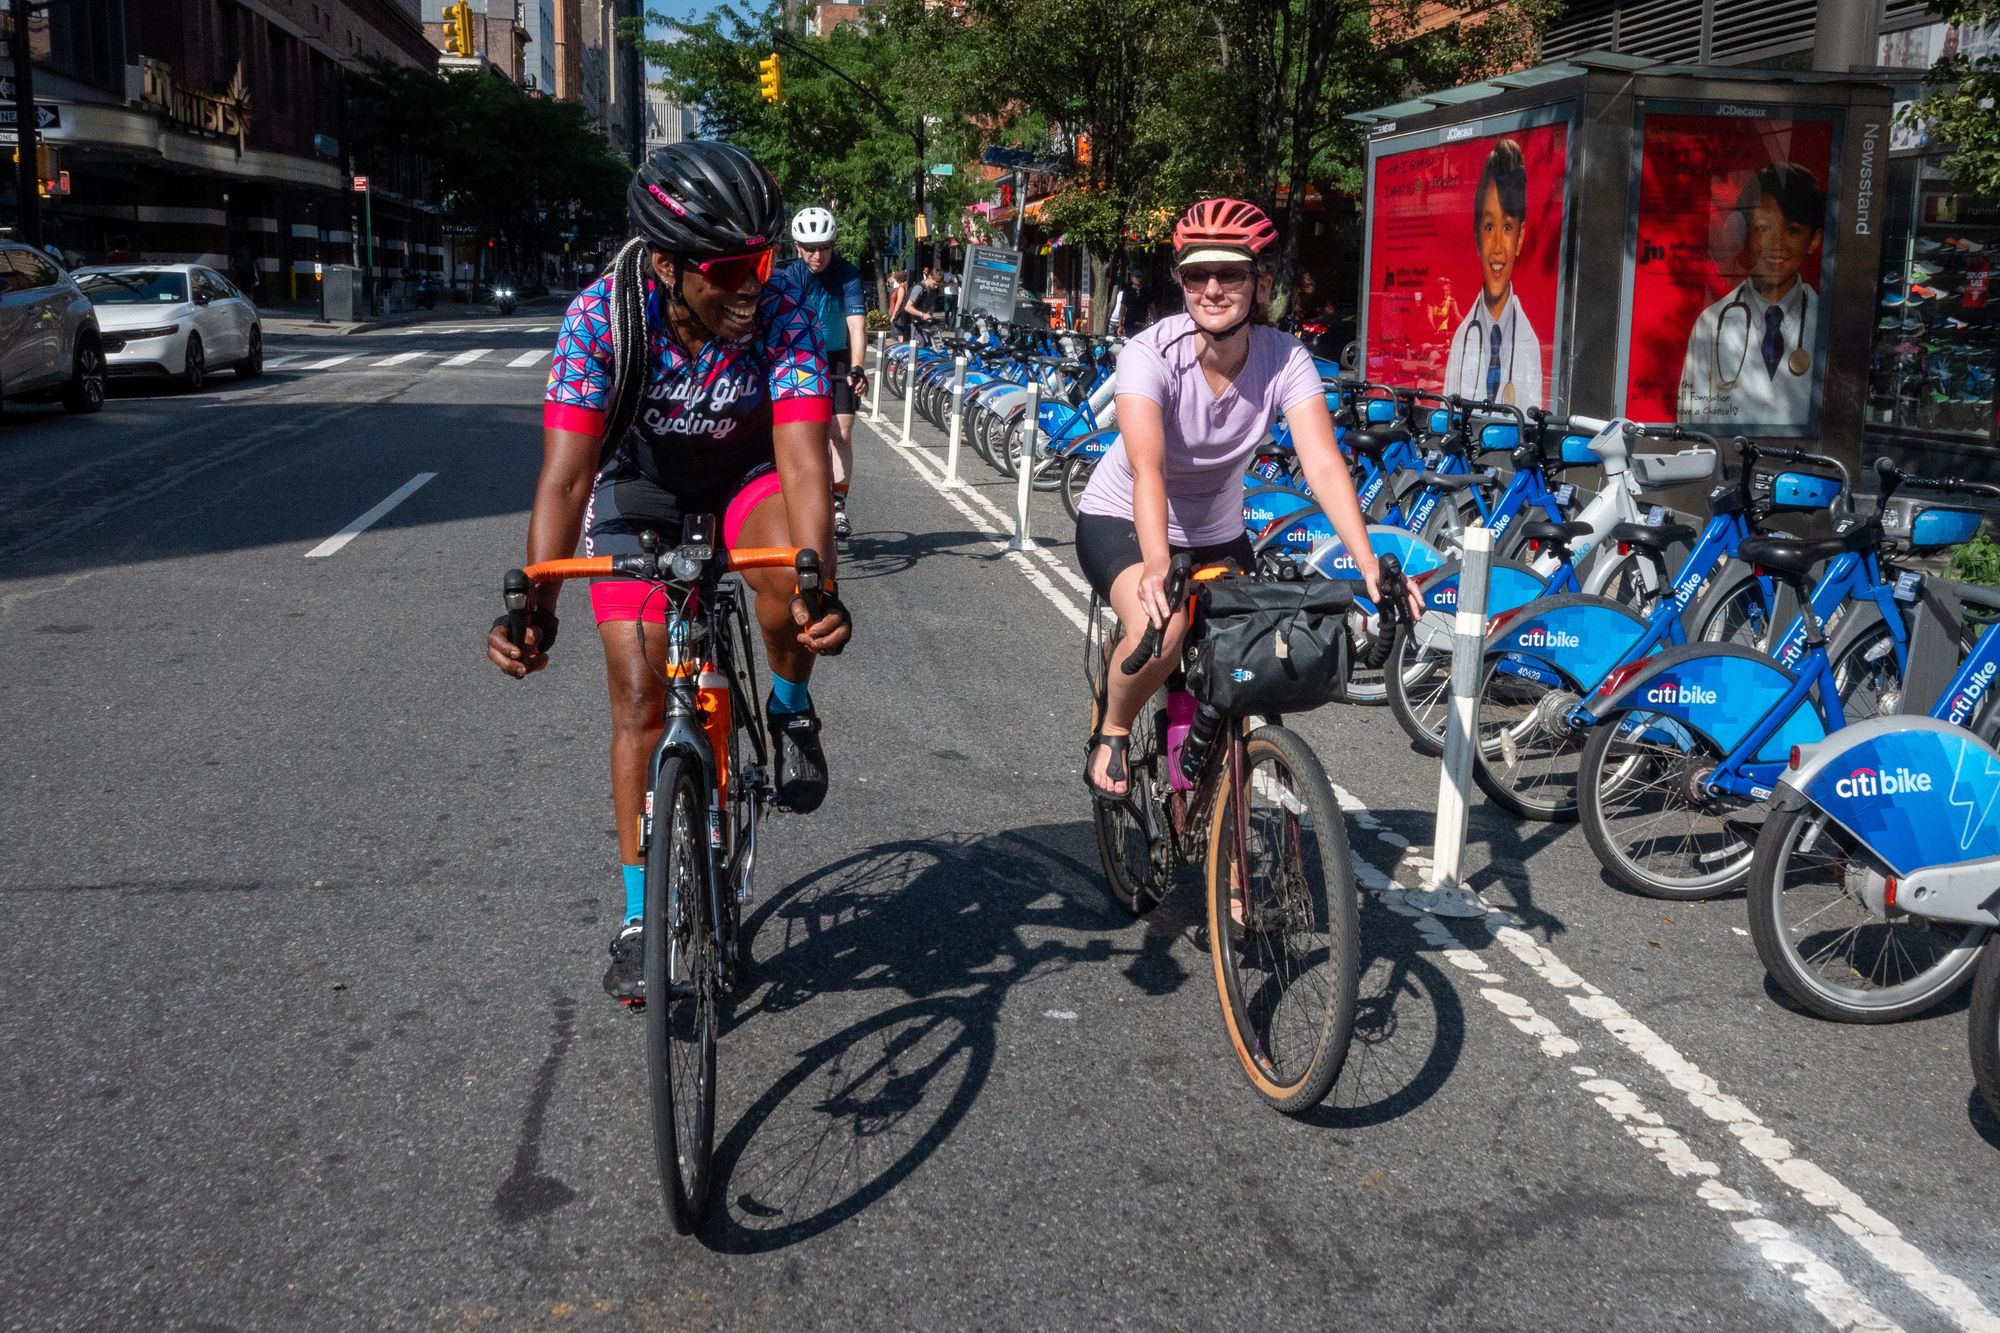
(845, 404)
(1106, 547)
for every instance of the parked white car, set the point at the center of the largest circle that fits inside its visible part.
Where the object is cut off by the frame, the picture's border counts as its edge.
(182, 320)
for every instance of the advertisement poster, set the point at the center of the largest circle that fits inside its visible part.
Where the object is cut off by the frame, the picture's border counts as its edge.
(1732, 232)
(1465, 256)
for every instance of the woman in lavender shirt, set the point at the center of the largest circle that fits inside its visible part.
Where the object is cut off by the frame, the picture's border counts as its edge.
(1196, 392)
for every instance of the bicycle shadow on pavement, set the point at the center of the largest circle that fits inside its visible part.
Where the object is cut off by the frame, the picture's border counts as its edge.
(947, 929)
(950, 926)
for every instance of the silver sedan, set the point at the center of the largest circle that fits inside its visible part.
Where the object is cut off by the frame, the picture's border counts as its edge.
(182, 320)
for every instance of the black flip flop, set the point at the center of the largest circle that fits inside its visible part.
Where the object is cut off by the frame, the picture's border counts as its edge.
(1117, 770)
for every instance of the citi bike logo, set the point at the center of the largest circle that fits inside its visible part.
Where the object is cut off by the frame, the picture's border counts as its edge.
(1302, 534)
(1870, 782)
(1969, 697)
(1543, 637)
(1345, 560)
(1686, 589)
(1446, 596)
(1672, 692)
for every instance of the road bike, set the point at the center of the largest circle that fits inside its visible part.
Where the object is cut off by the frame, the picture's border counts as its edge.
(1260, 812)
(708, 783)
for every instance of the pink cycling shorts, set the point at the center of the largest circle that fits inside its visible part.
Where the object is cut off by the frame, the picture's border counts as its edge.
(636, 599)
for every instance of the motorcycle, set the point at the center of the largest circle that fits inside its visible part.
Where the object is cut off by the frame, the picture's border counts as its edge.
(504, 296)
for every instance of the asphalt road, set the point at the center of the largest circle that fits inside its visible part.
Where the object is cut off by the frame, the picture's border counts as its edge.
(306, 908)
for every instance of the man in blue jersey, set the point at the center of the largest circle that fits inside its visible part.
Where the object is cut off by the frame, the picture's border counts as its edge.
(833, 294)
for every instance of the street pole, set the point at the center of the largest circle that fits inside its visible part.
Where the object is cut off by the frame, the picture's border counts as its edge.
(368, 230)
(920, 188)
(27, 135)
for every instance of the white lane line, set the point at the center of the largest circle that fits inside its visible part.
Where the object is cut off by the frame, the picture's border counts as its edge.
(329, 363)
(369, 519)
(400, 357)
(540, 328)
(467, 358)
(525, 359)
(1874, 1234)
(273, 362)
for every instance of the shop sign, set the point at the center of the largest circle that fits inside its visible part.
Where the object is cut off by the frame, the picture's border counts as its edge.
(225, 114)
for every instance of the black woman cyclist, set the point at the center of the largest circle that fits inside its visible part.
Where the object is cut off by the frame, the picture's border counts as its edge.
(686, 381)
(1196, 393)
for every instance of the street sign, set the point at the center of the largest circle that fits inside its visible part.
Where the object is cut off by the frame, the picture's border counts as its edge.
(361, 185)
(992, 281)
(1020, 159)
(48, 116)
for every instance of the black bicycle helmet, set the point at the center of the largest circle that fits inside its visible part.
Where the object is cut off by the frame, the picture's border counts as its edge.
(703, 199)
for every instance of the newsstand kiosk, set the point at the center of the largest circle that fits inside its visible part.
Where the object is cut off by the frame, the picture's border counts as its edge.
(1612, 236)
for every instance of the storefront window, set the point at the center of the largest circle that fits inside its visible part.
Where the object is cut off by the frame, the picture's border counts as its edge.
(1932, 367)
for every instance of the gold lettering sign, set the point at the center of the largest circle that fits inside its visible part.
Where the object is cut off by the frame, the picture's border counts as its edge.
(225, 115)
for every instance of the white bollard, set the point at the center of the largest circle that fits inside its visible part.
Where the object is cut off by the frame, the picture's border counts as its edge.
(1024, 473)
(957, 420)
(881, 373)
(1447, 894)
(910, 385)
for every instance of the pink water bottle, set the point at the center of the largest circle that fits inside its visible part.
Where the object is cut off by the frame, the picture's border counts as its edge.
(1180, 716)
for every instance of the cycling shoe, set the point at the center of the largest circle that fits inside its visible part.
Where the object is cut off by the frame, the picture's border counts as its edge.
(801, 761)
(625, 979)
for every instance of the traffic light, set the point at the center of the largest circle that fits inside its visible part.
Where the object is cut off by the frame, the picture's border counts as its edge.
(458, 29)
(767, 78)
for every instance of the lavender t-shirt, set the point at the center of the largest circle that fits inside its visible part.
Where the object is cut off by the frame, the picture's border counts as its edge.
(1208, 437)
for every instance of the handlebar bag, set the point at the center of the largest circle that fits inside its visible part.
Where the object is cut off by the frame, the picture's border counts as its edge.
(1264, 646)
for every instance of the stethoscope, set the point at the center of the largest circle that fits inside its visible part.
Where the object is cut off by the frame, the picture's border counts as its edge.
(1800, 360)
(1473, 326)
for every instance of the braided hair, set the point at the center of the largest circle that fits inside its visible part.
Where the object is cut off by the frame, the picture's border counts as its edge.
(631, 341)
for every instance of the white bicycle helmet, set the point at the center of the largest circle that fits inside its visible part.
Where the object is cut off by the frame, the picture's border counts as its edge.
(813, 226)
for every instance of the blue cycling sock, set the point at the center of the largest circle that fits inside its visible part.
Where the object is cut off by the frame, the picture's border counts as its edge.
(635, 891)
(789, 696)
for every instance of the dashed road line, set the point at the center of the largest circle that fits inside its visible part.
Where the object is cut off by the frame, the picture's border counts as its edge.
(273, 362)
(369, 519)
(329, 363)
(527, 359)
(466, 358)
(401, 357)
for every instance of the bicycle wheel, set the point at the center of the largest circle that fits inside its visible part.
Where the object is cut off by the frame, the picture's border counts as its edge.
(1075, 476)
(1527, 754)
(1288, 977)
(1866, 675)
(1644, 813)
(1985, 1027)
(681, 991)
(1740, 614)
(1137, 877)
(1829, 950)
(1418, 680)
(1631, 581)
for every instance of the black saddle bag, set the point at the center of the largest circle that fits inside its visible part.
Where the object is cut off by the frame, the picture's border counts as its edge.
(1265, 646)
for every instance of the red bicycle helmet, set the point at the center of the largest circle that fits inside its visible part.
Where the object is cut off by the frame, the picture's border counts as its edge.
(1221, 229)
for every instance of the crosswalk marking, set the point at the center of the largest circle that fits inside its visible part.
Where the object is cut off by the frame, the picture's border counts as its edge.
(327, 364)
(401, 357)
(526, 359)
(467, 358)
(540, 328)
(273, 362)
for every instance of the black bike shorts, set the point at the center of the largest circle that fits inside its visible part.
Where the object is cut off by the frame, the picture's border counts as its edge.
(1106, 547)
(845, 404)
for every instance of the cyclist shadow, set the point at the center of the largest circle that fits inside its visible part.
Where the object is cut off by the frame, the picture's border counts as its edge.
(949, 925)
(879, 552)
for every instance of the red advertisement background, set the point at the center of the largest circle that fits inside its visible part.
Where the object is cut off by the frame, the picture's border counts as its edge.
(1692, 168)
(1420, 231)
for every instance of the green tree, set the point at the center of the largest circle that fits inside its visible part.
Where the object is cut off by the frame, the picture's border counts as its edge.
(515, 169)
(826, 143)
(1962, 108)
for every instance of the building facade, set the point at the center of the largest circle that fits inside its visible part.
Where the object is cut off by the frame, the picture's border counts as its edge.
(212, 131)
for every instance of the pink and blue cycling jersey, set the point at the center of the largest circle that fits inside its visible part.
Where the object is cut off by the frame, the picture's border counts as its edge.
(726, 394)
